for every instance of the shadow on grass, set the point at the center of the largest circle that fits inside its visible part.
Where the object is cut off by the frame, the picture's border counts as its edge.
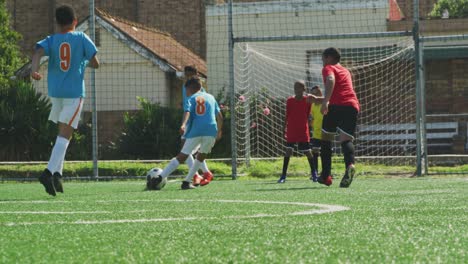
(275, 182)
(289, 189)
(13, 200)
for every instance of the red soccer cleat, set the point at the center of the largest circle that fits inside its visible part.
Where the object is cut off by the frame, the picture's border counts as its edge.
(325, 180)
(197, 179)
(207, 178)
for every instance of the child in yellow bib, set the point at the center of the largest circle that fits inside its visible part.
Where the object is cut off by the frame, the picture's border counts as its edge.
(316, 125)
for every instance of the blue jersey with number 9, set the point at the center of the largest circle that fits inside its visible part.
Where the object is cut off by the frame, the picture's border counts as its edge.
(69, 53)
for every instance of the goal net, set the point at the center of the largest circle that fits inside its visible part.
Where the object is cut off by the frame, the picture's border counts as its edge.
(384, 80)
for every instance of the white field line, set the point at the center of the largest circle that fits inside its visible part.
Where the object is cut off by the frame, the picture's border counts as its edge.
(83, 201)
(77, 212)
(54, 212)
(317, 209)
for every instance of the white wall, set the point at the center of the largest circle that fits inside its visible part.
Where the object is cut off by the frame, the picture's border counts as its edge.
(285, 18)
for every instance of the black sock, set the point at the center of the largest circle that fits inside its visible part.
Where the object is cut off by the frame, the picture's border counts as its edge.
(316, 155)
(348, 152)
(326, 156)
(311, 164)
(285, 166)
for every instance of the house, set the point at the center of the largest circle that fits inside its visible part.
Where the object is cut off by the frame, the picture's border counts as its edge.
(445, 64)
(34, 19)
(136, 61)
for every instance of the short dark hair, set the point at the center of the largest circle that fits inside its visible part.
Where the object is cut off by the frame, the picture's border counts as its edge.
(332, 52)
(194, 82)
(301, 83)
(191, 68)
(65, 15)
(315, 87)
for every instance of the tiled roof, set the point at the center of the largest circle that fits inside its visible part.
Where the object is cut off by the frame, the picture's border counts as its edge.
(160, 43)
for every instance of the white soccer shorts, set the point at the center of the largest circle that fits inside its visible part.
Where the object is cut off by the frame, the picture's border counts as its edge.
(204, 143)
(66, 110)
(195, 150)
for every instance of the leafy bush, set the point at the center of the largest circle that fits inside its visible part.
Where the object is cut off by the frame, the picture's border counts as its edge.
(81, 144)
(456, 8)
(151, 133)
(25, 133)
(222, 148)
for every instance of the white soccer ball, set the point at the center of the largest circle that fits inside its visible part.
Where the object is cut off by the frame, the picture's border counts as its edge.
(152, 182)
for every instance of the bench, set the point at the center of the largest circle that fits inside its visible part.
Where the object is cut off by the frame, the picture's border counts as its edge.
(439, 135)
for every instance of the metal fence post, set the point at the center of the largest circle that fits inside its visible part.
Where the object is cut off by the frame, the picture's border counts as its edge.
(232, 93)
(92, 31)
(421, 153)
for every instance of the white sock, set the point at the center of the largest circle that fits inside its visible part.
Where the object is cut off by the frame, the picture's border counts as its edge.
(189, 161)
(193, 170)
(170, 168)
(60, 168)
(58, 155)
(204, 167)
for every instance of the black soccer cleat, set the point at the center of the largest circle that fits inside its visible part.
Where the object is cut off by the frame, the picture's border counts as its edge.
(46, 179)
(58, 182)
(348, 177)
(282, 179)
(187, 186)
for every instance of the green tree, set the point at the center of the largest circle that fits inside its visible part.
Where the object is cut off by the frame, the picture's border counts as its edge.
(10, 54)
(455, 8)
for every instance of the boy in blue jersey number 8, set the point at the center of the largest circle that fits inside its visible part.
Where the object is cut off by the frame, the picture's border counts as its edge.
(69, 53)
(202, 126)
(191, 71)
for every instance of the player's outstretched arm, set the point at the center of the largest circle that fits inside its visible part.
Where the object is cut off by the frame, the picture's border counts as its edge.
(314, 99)
(219, 123)
(94, 62)
(36, 59)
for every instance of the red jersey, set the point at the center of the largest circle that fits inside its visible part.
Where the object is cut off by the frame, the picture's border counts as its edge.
(297, 120)
(343, 92)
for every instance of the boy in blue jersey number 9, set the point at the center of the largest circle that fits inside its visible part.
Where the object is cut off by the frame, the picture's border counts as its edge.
(69, 53)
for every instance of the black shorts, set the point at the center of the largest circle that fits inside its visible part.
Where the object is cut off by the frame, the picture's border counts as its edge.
(340, 119)
(301, 146)
(315, 143)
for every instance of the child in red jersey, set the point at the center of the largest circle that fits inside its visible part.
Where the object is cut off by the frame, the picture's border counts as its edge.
(297, 127)
(340, 108)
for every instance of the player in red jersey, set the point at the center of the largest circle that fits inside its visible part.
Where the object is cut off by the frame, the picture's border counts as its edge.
(297, 127)
(340, 108)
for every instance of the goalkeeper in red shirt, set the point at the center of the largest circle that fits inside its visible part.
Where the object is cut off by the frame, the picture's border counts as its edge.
(297, 127)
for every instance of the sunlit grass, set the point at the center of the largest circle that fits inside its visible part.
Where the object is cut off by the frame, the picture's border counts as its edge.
(402, 220)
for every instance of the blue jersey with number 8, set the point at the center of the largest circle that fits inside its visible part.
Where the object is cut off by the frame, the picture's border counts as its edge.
(203, 110)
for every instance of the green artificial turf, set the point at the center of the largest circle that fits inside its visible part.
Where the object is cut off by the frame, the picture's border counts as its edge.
(401, 220)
